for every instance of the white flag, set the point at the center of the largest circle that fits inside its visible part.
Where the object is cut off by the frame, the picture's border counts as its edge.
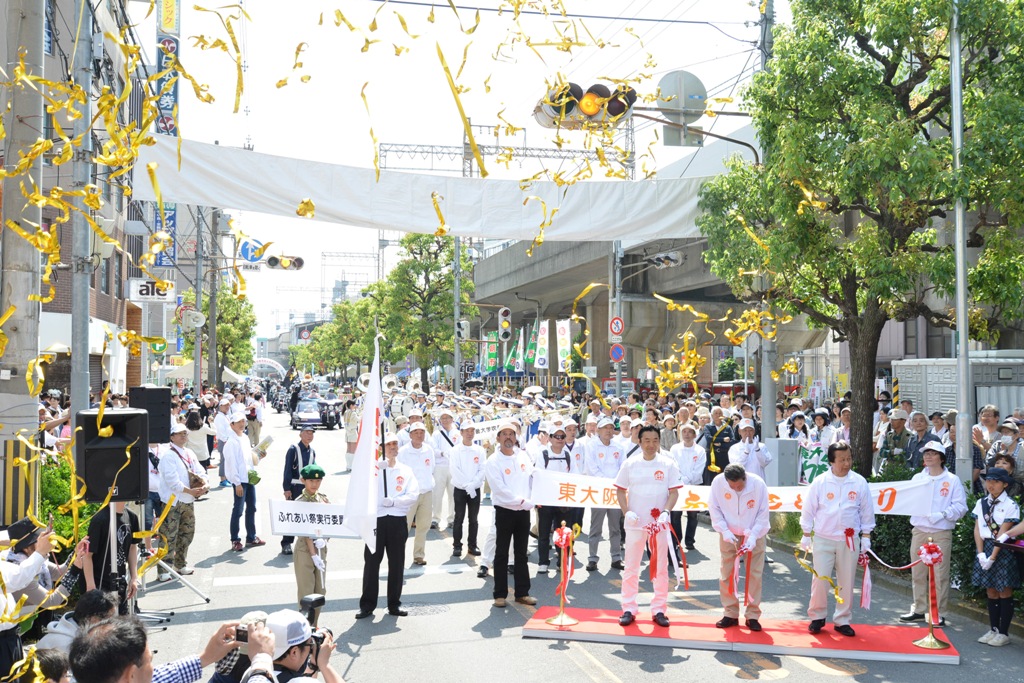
(564, 339)
(541, 361)
(361, 501)
(521, 353)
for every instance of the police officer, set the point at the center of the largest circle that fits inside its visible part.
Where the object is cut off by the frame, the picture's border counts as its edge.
(311, 555)
(299, 455)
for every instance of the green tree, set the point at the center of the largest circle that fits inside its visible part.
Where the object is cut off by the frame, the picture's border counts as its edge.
(415, 304)
(344, 340)
(854, 112)
(236, 327)
(728, 370)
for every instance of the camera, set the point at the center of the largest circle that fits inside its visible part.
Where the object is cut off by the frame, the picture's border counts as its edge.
(242, 634)
(309, 604)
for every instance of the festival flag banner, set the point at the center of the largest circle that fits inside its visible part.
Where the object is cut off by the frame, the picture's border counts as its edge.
(510, 359)
(564, 339)
(577, 490)
(531, 348)
(541, 361)
(813, 461)
(361, 501)
(520, 363)
(491, 362)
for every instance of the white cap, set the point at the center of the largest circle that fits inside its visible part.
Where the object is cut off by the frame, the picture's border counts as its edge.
(569, 421)
(591, 419)
(290, 628)
(237, 417)
(625, 419)
(225, 402)
(390, 438)
(746, 423)
(689, 425)
(177, 428)
(898, 414)
(415, 412)
(414, 426)
(508, 424)
(467, 424)
(446, 412)
(935, 446)
(605, 422)
(544, 426)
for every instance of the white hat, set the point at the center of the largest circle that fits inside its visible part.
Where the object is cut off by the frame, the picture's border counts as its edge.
(446, 412)
(934, 446)
(414, 426)
(467, 424)
(237, 417)
(688, 425)
(290, 628)
(591, 419)
(178, 428)
(746, 423)
(569, 421)
(390, 438)
(507, 424)
(544, 426)
(605, 422)
(898, 414)
(625, 419)
(225, 402)
(415, 412)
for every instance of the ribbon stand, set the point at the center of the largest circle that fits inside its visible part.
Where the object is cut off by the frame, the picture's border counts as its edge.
(930, 642)
(564, 538)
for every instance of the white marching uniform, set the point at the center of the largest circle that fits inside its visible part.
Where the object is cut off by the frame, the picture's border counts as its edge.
(604, 461)
(754, 457)
(442, 472)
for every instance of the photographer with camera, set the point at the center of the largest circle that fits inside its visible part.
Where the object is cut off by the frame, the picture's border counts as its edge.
(296, 650)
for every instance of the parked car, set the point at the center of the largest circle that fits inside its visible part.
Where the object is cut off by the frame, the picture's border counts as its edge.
(306, 413)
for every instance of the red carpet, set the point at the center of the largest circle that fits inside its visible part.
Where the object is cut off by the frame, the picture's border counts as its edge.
(875, 643)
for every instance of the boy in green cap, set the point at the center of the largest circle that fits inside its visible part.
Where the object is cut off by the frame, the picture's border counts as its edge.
(311, 553)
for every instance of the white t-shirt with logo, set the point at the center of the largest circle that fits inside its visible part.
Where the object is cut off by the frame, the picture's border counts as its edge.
(648, 483)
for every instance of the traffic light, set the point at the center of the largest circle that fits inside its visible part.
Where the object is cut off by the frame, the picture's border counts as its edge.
(504, 324)
(462, 330)
(567, 106)
(285, 262)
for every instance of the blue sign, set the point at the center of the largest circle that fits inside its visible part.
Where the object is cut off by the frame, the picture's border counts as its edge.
(617, 352)
(169, 224)
(247, 250)
(181, 341)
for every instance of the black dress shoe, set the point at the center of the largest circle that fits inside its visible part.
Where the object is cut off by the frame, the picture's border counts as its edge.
(690, 546)
(617, 564)
(592, 566)
(456, 552)
(727, 622)
(913, 616)
(511, 569)
(626, 619)
(474, 551)
(846, 630)
(754, 625)
(398, 613)
(816, 626)
(661, 620)
(286, 548)
(363, 615)
(482, 572)
(942, 623)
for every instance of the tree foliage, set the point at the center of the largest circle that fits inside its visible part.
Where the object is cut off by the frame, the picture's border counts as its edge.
(849, 216)
(236, 327)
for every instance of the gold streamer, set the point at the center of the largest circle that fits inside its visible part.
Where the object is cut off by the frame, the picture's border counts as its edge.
(376, 144)
(307, 209)
(597, 389)
(462, 112)
(802, 561)
(583, 321)
(3, 319)
(544, 223)
(442, 229)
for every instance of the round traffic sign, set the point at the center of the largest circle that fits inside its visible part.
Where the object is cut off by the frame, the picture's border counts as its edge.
(248, 249)
(304, 334)
(615, 325)
(617, 352)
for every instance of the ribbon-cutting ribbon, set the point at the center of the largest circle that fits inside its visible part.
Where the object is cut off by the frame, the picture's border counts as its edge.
(802, 561)
(563, 537)
(931, 555)
(865, 587)
(849, 534)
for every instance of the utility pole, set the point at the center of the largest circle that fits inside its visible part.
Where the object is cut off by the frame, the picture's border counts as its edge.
(211, 319)
(769, 347)
(457, 359)
(80, 231)
(20, 277)
(617, 266)
(197, 351)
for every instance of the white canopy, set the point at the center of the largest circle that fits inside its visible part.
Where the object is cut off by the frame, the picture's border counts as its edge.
(233, 178)
(186, 372)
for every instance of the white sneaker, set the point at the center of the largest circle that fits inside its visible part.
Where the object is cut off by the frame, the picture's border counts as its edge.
(999, 639)
(542, 569)
(186, 570)
(989, 635)
(164, 578)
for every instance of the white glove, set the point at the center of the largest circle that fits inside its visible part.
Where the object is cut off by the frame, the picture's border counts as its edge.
(1003, 538)
(728, 536)
(982, 557)
(805, 544)
(527, 504)
(987, 564)
(632, 517)
(471, 492)
(320, 543)
(935, 517)
(664, 518)
(897, 451)
(388, 502)
(746, 547)
(865, 545)
(319, 563)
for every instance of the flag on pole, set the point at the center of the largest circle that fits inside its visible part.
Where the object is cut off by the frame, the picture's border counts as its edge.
(531, 348)
(491, 363)
(510, 359)
(361, 501)
(564, 345)
(541, 361)
(521, 352)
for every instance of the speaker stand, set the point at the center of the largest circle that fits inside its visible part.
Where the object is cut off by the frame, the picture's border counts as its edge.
(168, 569)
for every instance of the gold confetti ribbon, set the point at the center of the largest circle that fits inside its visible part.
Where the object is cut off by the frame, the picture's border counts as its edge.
(462, 112)
(544, 223)
(581, 320)
(790, 366)
(226, 21)
(307, 209)
(376, 144)
(3, 319)
(442, 229)
(597, 389)
(802, 561)
(808, 199)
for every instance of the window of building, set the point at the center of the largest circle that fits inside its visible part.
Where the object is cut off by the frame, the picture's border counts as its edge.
(940, 342)
(104, 276)
(910, 338)
(119, 276)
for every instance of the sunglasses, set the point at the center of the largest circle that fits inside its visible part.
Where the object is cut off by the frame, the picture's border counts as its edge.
(560, 437)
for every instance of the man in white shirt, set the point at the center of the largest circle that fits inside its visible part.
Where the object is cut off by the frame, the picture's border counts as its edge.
(254, 417)
(625, 438)
(647, 487)
(508, 473)
(17, 577)
(179, 527)
(948, 504)
(418, 455)
(467, 468)
(222, 425)
(397, 492)
(443, 441)
(237, 463)
(540, 441)
(839, 512)
(577, 451)
(739, 513)
(556, 458)
(604, 459)
(691, 458)
(753, 455)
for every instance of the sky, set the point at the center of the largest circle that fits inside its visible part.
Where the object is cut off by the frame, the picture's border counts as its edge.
(408, 100)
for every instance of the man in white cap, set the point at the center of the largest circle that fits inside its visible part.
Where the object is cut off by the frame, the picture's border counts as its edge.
(397, 492)
(555, 458)
(294, 649)
(590, 429)
(691, 458)
(604, 459)
(443, 441)
(467, 464)
(753, 455)
(17, 577)
(508, 473)
(418, 455)
(222, 425)
(178, 467)
(540, 441)
(935, 525)
(738, 505)
(237, 463)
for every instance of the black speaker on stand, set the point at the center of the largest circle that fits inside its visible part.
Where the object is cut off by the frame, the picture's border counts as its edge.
(157, 402)
(98, 459)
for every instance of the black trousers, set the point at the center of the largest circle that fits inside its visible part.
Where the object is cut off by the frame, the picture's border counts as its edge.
(297, 490)
(512, 526)
(392, 533)
(462, 502)
(548, 519)
(10, 649)
(691, 526)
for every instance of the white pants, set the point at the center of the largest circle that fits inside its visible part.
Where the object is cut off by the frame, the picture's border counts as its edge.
(829, 555)
(487, 559)
(443, 485)
(636, 543)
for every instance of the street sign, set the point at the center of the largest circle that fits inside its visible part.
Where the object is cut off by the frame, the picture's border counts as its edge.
(616, 325)
(615, 338)
(590, 371)
(617, 352)
(304, 334)
(141, 290)
(248, 248)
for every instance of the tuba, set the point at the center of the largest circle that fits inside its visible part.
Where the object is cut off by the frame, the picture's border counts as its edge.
(364, 381)
(389, 382)
(413, 385)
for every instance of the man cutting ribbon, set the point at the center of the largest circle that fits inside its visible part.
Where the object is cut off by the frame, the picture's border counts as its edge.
(644, 484)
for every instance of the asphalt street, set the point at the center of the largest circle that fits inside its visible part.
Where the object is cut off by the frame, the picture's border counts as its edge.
(452, 631)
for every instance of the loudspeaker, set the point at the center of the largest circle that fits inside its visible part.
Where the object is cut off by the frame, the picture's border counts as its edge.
(98, 459)
(157, 402)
